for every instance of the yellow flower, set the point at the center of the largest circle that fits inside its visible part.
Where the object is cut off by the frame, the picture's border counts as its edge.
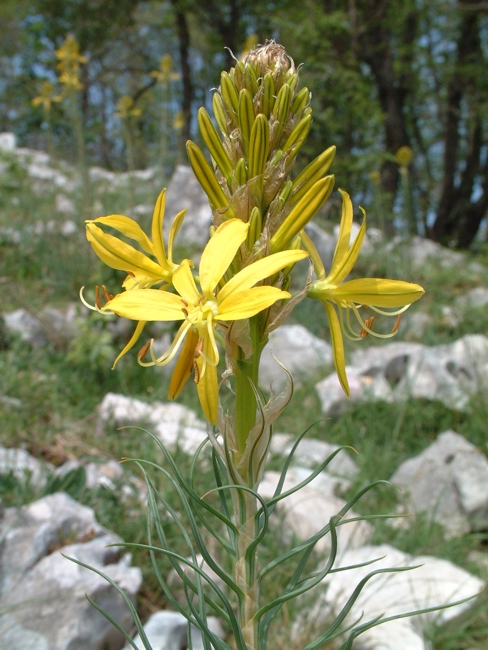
(350, 296)
(164, 74)
(201, 311)
(143, 271)
(69, 52)
(125, 108)
(46, 96)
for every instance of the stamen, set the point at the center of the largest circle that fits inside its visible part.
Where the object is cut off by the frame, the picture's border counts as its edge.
(397, 324)
(97, 297)
(185, 311)
(369, 324)
(143, 351)
(131, 273)
(197, 373)
(198, 348)
(106, 293)
(184, 302)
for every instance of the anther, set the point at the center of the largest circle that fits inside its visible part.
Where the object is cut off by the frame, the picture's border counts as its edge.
(97, 297)
(184, 302)
(143, 351)
(397, 324)
(107, 295)
(198, 349)
(369, 324)
(185, 311)
(131, 273)
(197, 373)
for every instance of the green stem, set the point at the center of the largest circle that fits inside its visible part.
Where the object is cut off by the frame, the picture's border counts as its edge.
(246, 570)
(247, 375)
(130, 160)
(80, 144)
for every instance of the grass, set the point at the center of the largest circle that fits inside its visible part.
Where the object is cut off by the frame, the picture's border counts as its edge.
(59, 386)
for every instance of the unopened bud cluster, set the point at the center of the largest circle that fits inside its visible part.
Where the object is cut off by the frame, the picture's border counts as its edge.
(263, 120)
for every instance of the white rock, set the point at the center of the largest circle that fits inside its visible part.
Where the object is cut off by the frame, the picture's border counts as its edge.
(304, 355)
(68, 228)
(8, 141)
(184, 191)
(449, 481)
(363, 388)
(27, 326)
(435, 582)
(367, 248)
(308, 510)
(168, 631)
(42, 594)
(64, 204)
(323, 242)
(373, 359)
(173, 423)
(310, 452)
(477, 297)
(24, 466)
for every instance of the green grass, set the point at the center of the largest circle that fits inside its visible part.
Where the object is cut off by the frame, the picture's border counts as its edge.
(60, 385)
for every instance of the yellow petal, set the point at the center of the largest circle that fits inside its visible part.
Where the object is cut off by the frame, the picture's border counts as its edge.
(184, 365)
(184, 283)
(244, 304)
(343, 240)
(337, 347)
(147, 304)
(157, 230)
(127, 227)
(341, 269)
(119, 255)
(173, 231)
(378, 292)
(208, 391)
(219, 253)
(132, 342)
(259, 270)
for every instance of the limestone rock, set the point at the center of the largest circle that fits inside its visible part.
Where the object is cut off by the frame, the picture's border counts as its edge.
(449, 481)
(304, 355)
(8, 141)
(310, 452)
(363, 388)
(24, 466)
(434, 582)
(43, 594)
(323, 242)
(169, 631)
(184, 191)
(451, 373)
(308, 510)
(174, 424)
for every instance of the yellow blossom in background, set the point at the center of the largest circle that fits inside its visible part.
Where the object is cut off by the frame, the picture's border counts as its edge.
(69, 59)
(179, 121)
(125, 108)
(404, 156)
(202, 310)
(250, 44)
(69, 55)
(339, 296)
(164, 74)
(47, 95)
(375, 177)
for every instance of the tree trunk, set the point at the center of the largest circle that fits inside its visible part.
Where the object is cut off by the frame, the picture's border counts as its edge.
(458, 217)
(184, 47)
